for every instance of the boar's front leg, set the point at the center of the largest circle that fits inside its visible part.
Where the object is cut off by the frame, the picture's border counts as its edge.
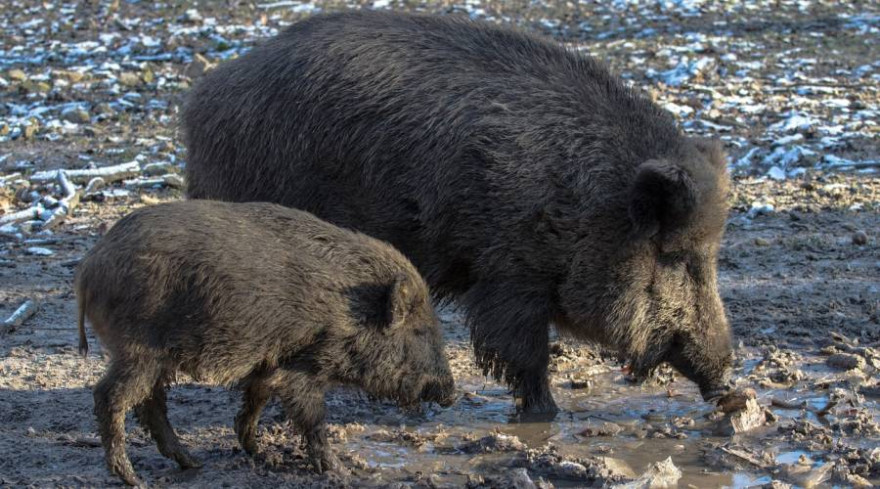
(509, 328)
(302, 394)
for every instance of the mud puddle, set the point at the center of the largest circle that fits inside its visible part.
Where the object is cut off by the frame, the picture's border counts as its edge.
(624, 428)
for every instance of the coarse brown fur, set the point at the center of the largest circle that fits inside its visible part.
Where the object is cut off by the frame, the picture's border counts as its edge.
(256, 295)
(520, 177)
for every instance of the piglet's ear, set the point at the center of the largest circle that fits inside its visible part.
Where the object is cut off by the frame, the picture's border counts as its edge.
(662, 197)
(400, 296)
(712, 150)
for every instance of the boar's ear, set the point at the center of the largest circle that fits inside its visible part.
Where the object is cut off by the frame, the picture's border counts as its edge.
(662, 197)
(398, 303)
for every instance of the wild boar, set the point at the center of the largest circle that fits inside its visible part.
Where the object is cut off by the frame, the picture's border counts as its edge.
(521, 178)
(269, 299)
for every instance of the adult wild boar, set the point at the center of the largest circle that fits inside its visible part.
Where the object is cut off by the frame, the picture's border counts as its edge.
(268, 298)
(520, 177)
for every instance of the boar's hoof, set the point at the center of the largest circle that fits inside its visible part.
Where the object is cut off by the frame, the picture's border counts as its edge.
(246, 432)
(186, 461)
(543, 406)
(326, 462)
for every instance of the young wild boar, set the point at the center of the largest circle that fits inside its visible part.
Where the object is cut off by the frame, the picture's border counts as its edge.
(520, 177)
(268, 298)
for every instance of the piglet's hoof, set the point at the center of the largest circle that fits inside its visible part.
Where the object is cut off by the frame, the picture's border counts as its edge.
(125, 472)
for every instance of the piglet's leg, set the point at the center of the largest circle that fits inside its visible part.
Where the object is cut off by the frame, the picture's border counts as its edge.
(126, 383)
(302, 395)
(153, 417)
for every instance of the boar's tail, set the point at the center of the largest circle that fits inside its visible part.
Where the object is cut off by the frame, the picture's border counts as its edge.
(83, 342)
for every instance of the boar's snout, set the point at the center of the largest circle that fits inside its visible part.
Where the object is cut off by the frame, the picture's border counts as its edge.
(441, 391)
(714, 390)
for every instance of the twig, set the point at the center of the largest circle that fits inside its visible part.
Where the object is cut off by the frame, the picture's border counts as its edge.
(24, 215)
(24, 311)
(110, 174)
(744, 456)
(781, 403)
(67, 203)
(827, 409)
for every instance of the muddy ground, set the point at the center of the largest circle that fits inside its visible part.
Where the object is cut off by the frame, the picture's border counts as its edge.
(790, 87)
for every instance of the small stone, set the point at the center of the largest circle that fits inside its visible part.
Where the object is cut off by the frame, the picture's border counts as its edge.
(4, 129)
(174, 181)
(777, 485)
(761, 242)
(103, 108)
(17, 75)
(519, 479)
(660, 475)
(74, 76)
(38, 251)
(571, 470)
(29, 131)
(494, 443)
(147, 76)
(156, 169)
(605, 429)
(858, 481)
(814, 478)
(860, 238)
(129, 79)
(192, 15)
(76, 115)
(618, 467)
(759, 209)
(71, 76)
(846, 361)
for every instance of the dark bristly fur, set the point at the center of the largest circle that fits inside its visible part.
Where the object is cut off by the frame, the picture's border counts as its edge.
(519, 177)
(270, 299)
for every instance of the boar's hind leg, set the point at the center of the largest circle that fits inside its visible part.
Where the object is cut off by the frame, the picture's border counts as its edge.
(153, 417)
(257, 393)
(510, 336)
(124, 385)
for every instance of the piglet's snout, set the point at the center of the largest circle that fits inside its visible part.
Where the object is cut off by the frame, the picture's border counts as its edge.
(441, 391)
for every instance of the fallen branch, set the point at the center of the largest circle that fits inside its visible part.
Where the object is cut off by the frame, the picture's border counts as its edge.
(825, 411)
(169, 180)
(743, 455)
(110, 174)
(94, 185)
(24, 311)
(28, 214)
(66, 205)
